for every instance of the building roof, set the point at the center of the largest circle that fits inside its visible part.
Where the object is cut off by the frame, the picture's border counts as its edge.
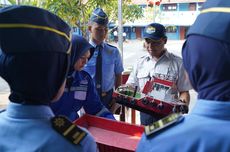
(181, 1)
(141, 2)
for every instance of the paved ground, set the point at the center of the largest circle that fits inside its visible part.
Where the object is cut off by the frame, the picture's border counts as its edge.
(4, 93)
(132, 50)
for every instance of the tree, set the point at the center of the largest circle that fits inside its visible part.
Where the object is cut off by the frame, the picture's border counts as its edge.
(77, 12)
(12, 1)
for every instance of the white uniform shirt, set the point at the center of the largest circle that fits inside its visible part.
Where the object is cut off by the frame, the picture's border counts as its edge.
(168, 65)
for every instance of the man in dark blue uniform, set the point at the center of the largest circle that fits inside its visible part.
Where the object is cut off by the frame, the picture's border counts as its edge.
(80, 91)
(105, 66)
(34, 59)
(206, 57)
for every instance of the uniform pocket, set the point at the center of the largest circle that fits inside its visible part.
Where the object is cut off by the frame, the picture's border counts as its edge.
(80, 95)
(109, 69)
(142, 74)
(143, 77)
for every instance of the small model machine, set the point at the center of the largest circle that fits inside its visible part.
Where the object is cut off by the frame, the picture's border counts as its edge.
(152, 100)
(110, 135)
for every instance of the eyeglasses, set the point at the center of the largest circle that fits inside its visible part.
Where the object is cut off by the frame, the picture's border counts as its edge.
(154, 42)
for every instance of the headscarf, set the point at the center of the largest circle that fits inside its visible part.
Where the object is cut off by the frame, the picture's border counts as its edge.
(207, 62)
(34, 56)
(79, 47)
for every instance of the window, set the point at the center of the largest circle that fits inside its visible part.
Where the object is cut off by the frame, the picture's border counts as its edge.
(192, 6)
(171, 29)
(169, 7)
(133, 29)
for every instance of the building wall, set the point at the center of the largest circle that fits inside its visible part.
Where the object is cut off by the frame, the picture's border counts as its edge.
(179, 15)
(183, 7)
(173, 32)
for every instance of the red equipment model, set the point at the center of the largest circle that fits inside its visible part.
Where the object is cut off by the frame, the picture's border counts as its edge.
(149, 101)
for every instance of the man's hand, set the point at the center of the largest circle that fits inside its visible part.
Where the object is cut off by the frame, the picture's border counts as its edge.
(185, 97)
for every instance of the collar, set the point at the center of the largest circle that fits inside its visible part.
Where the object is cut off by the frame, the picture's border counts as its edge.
(211, 108)
(77, 76)
(166, 54)
(95, 45)
(16, 110)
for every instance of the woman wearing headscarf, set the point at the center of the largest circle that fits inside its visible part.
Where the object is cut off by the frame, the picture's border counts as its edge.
(34, 60)
(80, 91)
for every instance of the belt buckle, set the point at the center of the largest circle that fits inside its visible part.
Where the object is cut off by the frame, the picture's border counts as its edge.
(98, 86)
(103, 94)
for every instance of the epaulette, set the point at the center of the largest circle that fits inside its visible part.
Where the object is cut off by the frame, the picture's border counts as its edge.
(143, 56)
(163, 123)
(67, 129)
(86, 74)
(175, 56)
(2, 110)
(111, 45)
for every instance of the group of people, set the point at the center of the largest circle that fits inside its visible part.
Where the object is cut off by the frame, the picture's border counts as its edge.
(53, 72)
(90, 84)
(49, 77)
(115, 35)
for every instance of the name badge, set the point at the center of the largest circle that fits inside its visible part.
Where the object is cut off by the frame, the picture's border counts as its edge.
(80, 93)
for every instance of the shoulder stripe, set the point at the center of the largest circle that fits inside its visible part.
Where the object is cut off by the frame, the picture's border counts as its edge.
(163, 123)
(216, 10)
(111, 45)
(68, 130)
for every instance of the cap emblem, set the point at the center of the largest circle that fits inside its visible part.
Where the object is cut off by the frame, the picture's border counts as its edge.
(150, 29)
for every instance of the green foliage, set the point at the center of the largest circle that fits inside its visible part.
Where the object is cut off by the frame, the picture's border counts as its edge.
(77, 12)
(130, 12)
(12, 1)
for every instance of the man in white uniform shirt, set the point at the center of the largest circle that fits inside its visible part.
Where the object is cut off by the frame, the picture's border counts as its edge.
(162, 65)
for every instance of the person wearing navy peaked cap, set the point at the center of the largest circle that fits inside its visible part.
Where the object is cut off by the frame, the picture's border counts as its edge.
(155, 31)
(100, 17)
(159, 64)
(34, 60)
(80, 91)
(105, 66)
(206, 55)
